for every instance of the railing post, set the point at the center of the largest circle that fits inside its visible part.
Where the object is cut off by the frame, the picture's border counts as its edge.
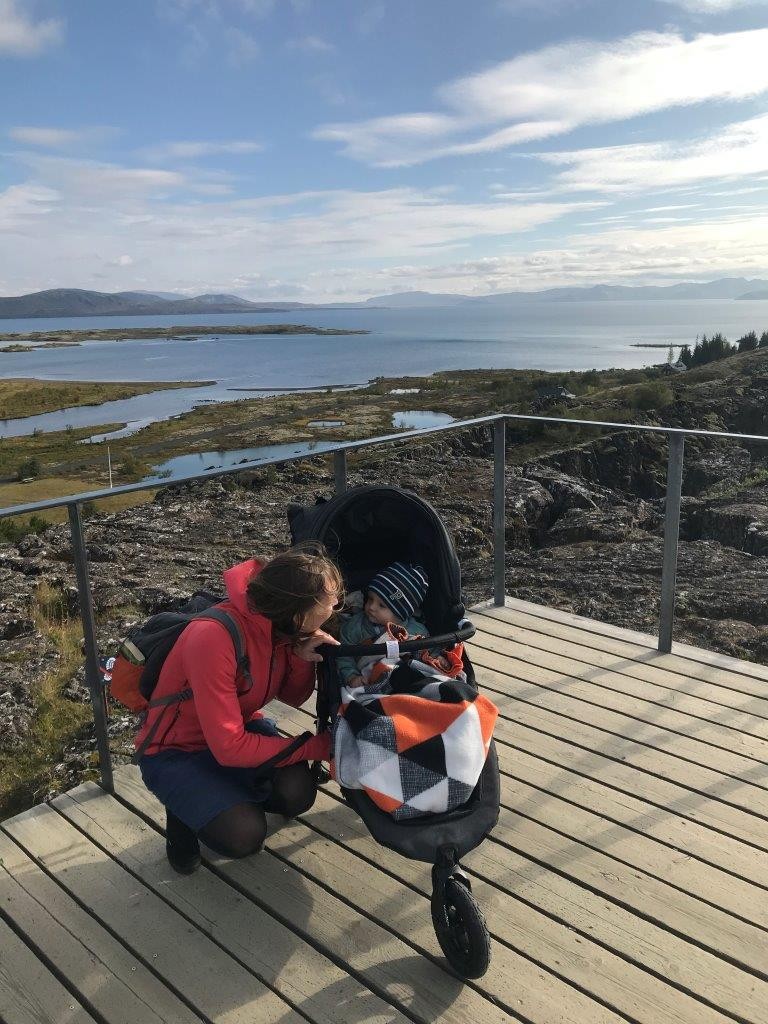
(92, 674)
(340, 470)
(671, 536)
(499, 516)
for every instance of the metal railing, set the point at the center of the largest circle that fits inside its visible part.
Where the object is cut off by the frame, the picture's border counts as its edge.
(74, 502)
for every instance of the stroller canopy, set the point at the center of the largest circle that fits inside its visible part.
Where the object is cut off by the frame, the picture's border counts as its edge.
(369, 527)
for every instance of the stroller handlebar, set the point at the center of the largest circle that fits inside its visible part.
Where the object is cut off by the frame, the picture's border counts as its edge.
(465, 631)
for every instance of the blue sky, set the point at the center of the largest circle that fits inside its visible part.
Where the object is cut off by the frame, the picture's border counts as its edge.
(336, 149)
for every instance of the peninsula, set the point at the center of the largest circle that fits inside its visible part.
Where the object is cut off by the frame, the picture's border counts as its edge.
(22, 341)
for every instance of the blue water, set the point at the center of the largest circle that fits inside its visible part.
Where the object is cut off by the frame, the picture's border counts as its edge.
(549, 336)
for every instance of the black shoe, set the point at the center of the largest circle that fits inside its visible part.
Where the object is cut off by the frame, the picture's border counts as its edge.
(181, 846)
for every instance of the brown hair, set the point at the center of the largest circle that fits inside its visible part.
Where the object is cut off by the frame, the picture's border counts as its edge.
(289, 586)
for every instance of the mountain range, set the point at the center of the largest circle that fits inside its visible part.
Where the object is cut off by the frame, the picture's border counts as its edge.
(65, 302)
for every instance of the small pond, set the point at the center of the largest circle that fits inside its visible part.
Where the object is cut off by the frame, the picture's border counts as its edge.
(414, 419)
(200, 462)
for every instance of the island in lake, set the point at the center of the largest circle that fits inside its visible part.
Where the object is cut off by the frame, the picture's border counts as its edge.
(22, 341)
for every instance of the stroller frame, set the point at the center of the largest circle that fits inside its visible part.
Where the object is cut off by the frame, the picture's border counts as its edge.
(407, 528)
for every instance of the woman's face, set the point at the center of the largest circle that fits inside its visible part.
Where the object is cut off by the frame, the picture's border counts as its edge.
(323, 609)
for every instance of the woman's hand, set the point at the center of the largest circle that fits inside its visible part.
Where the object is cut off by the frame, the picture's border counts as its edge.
(306, 648)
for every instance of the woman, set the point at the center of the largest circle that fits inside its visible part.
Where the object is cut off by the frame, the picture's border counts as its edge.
(204, 755)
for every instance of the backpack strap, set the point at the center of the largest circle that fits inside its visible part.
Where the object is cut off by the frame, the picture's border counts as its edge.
(233, 628)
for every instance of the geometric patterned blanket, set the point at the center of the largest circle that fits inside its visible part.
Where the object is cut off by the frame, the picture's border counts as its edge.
(416, 744)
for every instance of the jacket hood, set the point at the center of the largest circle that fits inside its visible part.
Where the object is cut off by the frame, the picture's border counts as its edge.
(236, 581)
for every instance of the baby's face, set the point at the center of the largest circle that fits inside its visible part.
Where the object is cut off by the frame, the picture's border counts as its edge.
(378, 612)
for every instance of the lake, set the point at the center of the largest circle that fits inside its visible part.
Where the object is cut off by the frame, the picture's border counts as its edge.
(548, 336)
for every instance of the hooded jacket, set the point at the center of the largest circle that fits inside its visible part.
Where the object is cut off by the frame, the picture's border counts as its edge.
(203, 658)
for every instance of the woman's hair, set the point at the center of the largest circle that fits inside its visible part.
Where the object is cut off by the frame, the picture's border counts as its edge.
(291, 584)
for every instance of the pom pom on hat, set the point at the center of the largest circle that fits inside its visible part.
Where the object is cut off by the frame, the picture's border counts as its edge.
(401, 587)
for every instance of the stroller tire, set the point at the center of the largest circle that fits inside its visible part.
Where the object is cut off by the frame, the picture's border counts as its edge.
(461, 929)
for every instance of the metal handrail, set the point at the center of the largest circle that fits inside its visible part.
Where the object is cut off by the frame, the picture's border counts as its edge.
(74, 502)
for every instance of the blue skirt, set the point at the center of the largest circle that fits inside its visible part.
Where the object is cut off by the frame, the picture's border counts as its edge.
(196, 788)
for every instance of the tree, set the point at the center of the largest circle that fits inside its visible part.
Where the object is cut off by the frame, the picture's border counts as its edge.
(686, 356)
(748, 343)
(671, 354)
(763, 340)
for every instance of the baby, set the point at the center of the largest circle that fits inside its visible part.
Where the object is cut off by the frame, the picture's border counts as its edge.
(392, 596)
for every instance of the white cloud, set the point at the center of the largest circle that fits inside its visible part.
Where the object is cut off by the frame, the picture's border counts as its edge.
(59, 138)
(242, 47)
(713, 6)
(21, 36)
(311, 44)
(193, 150)
(47, 138)
(554, 90)
(177, 240)
(739, 150)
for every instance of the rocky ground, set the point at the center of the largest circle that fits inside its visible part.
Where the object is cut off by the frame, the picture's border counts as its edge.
(584, 534)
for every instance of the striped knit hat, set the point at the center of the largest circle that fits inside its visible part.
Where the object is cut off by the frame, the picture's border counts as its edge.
(402, 587)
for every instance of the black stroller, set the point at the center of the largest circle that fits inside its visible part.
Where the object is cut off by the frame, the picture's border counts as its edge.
(364, 530)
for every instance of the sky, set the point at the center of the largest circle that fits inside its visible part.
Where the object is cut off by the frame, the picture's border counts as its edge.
(327, 150)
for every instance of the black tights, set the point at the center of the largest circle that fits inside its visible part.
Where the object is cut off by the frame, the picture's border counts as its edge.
(242, 829)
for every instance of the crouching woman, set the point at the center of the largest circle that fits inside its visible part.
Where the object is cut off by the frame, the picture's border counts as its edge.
(213, 760)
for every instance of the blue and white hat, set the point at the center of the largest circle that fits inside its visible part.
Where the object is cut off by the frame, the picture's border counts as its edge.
(402, 587)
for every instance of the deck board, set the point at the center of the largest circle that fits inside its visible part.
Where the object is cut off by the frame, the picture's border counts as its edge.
(626, 879)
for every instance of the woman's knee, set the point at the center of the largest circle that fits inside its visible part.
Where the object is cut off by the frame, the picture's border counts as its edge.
(293, 790)
(238, 832)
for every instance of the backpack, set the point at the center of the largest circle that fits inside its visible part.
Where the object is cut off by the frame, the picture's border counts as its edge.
(142, 654)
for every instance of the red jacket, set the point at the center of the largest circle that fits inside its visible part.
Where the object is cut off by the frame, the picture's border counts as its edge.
(203, 658)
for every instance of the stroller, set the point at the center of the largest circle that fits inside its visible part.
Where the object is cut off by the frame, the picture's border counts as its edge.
(364, 530)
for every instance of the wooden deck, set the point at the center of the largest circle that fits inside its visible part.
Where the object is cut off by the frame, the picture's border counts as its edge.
(626, 880)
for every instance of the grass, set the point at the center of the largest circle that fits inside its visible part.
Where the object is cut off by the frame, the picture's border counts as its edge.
(26, 773)
(29, 397)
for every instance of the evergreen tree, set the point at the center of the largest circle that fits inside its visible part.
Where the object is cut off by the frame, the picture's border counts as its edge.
(686, 356)
(748, 343)
(763, 340)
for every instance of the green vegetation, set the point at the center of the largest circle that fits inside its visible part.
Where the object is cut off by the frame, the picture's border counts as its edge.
(26, 397)
(26, 771)
(717, 346)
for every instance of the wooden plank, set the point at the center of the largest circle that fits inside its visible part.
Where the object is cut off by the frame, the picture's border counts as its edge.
(205, 977)
(506, 682)
(29, 993)
(573, 931)
(685, 656)
(274, 953)
(608, 673)
(658, 793)
(714, 785)
(112, 981)
(363, 928)
(737, 896)
(557, 793)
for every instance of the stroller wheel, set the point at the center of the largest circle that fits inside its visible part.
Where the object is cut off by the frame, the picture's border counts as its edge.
(461, 929)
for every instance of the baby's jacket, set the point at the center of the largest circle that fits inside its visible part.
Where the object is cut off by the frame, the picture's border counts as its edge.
(359, 629)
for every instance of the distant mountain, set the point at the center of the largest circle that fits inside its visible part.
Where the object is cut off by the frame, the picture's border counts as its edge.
(66, 302)
(724, 288)
(410, 300)
(59, 302)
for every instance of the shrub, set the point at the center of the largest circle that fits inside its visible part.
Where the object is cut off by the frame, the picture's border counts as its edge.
(28, 468)
(654, 395)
